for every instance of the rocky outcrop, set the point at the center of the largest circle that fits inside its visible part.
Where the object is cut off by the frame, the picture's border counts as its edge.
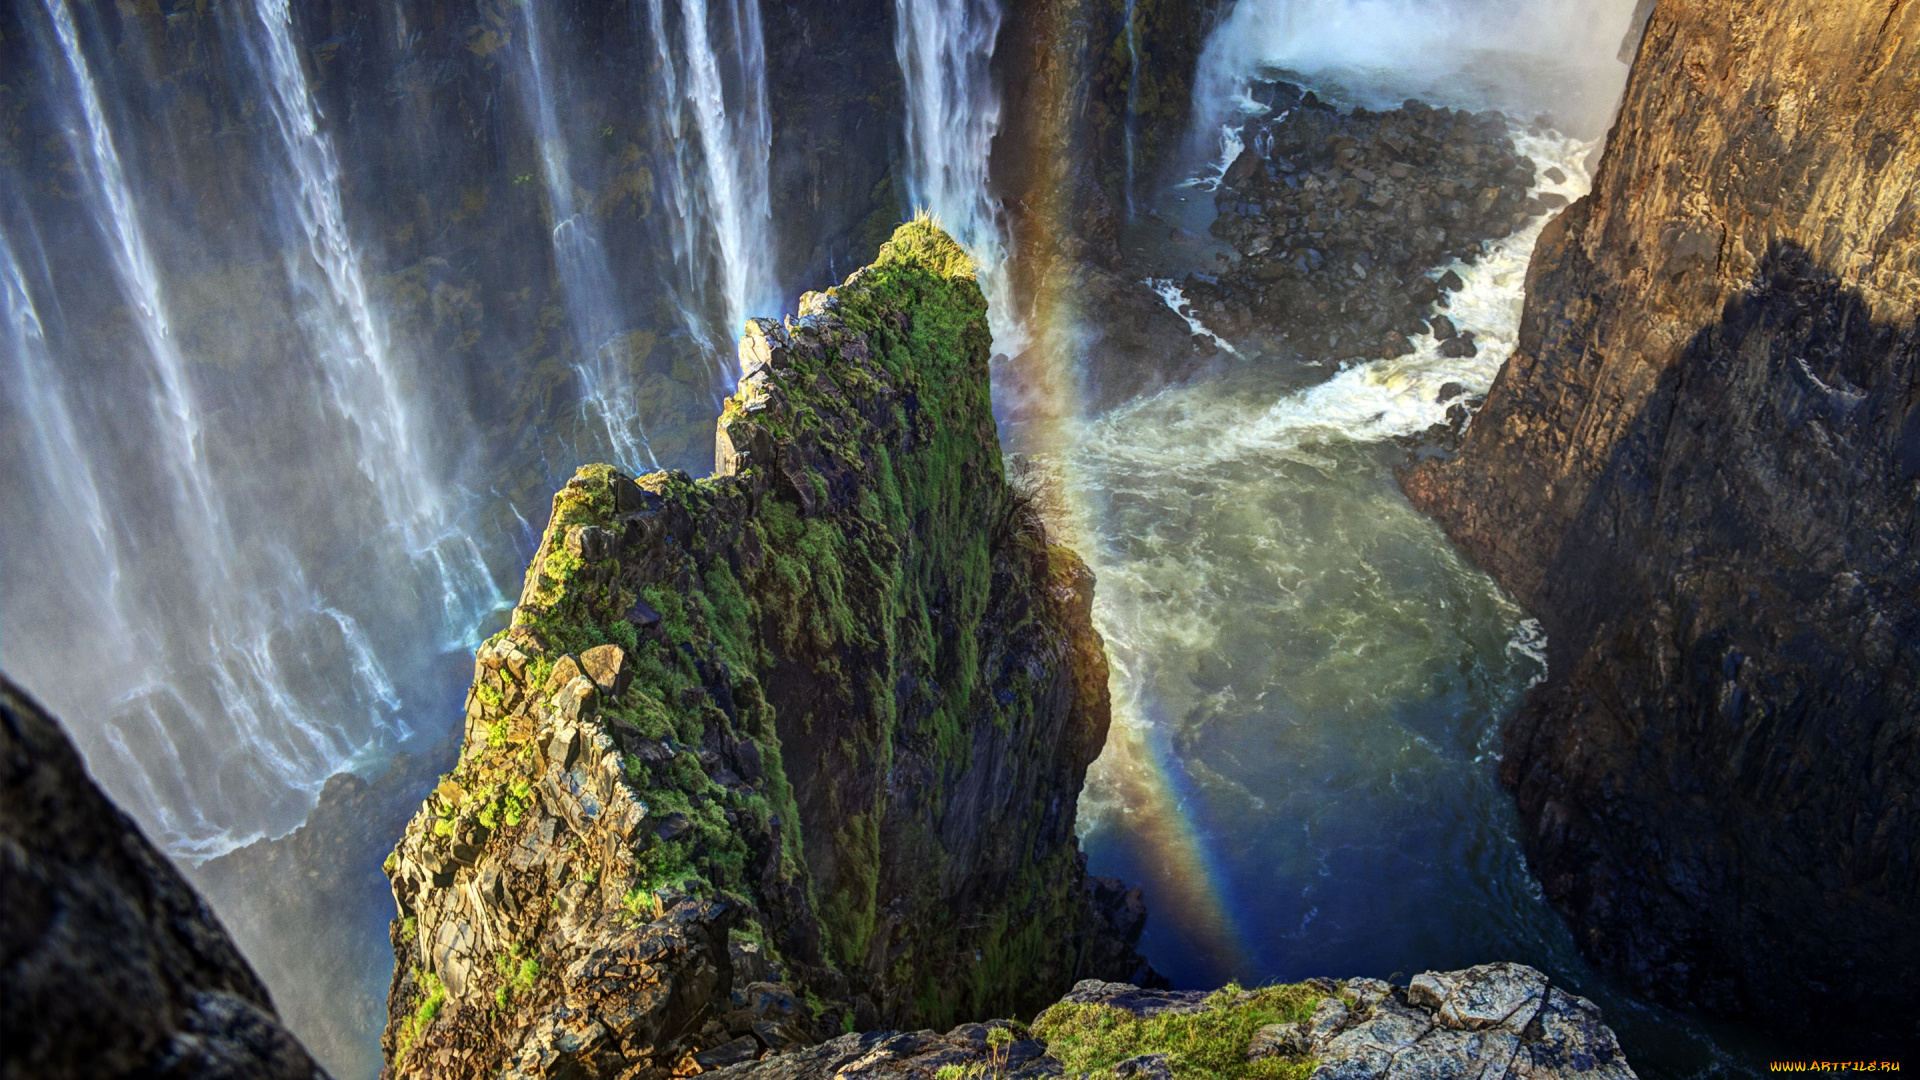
(113, 965)
(1338, 221)
(1498, 1020)
(787, 751)
(1700, 469)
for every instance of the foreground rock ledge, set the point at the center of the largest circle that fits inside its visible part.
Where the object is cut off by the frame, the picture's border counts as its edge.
(113, 966)
(1485, 1023)
(782, 753)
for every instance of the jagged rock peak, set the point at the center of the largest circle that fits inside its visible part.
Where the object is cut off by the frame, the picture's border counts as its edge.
(114, 966)
(770, 755)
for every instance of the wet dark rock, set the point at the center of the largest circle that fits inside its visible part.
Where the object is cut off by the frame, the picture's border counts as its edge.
(112, 965)
(1338, 218)
(1459, 345)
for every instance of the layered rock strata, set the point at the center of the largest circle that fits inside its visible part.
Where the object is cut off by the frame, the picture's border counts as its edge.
(1338, 220)
(783, 752)
(1700, 469)
(1493, 1021)
(112, 965)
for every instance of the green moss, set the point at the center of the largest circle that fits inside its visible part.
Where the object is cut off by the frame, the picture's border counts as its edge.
(1091, 1039)
(433, 997)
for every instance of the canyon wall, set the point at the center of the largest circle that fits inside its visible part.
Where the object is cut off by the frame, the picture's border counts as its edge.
(1700, 469)
(790, 750)
(113, 965)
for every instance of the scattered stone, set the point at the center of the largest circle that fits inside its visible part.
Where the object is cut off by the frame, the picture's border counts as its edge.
(1144, 1067)
(642, 615)
(1554, 175)
(607, 666)
(744, 1048)
(1459, 346)
(1448, 391)
(1450, 282)
(591, 542)
(1443, 328)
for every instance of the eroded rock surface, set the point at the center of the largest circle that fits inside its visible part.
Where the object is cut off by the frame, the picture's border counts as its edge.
(1700, 469)
(784, 752)
(112, 966)
(1339, 219)
(1483, 1023)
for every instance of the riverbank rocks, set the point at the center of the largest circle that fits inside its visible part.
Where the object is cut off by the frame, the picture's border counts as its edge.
(1338, 220)
(781, 752)
(110, 964)
(1491, 1022)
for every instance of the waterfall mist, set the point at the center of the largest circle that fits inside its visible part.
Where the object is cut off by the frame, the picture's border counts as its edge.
(1525, 57)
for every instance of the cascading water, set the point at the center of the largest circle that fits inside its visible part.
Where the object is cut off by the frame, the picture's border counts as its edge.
(585, 279)
(953, 112)
(350, 339)
(268, 752)
(722, 193)
(1133, 98)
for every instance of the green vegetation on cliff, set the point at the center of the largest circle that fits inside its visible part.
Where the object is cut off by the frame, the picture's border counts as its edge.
(844, 687)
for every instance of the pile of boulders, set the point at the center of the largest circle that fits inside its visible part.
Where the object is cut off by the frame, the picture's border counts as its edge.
(1339, 221)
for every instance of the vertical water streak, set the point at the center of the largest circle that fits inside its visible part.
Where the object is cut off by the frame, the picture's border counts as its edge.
(738, 145)
(203, 729)
(1133, 98)
(139, 279)
(56, 437)
(729, 192)
(352, 341)
(945, 48)
(585, 278)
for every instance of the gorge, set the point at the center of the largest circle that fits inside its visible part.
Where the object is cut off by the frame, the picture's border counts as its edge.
(983, 606)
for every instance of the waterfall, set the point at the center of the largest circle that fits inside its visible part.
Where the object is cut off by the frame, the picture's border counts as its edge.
(178, 744)
(1133, 98)
(585, 278)
(953, 112)
(352, 343)
(723, 200)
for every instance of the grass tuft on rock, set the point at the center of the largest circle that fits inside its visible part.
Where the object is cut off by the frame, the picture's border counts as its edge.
(1089, 1040)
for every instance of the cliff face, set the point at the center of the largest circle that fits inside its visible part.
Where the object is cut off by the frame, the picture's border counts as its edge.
(1700, 469)
(112, 965)
(779, 752)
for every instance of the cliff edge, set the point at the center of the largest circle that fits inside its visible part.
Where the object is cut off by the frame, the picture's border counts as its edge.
(112, 965)
(779, 753)
(1700, 469)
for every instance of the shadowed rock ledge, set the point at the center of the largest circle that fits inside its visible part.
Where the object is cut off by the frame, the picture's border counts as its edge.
(785, 752)
(1700, 470)
(112, 965)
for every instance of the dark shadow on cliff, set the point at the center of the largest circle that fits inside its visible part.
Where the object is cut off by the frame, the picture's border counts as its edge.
(1718, 778)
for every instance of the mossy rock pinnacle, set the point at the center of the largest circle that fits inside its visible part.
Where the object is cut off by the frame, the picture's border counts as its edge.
(783, 750)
